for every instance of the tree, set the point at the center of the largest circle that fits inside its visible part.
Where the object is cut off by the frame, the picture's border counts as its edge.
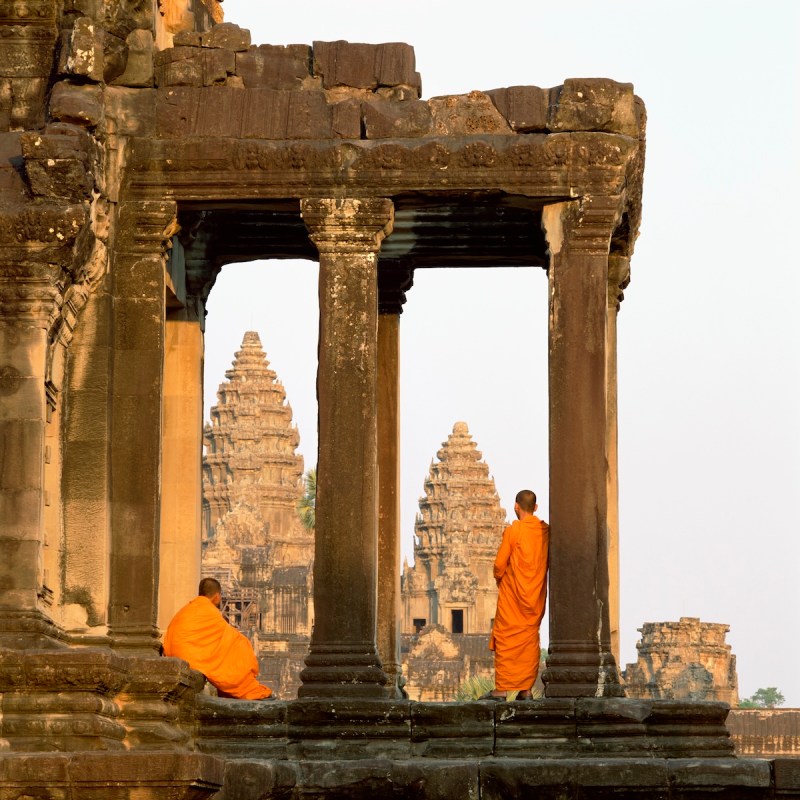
(770, 697)
(307, 507)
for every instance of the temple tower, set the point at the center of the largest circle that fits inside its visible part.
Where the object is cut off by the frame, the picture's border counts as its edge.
(253, 540)
(458, 531)
(685, 660)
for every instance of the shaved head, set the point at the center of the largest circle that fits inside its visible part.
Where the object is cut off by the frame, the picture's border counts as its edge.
(526, 500)
(209, 587)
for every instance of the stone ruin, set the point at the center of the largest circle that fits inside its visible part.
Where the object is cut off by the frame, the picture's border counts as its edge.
(143, 148)
(685, 660)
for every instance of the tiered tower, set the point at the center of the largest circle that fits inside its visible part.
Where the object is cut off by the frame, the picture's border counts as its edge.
(253, 540)
(685, 660)
(458, 531)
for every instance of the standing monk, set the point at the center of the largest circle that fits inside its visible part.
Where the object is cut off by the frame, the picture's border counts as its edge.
(520, 570)
(200, 635)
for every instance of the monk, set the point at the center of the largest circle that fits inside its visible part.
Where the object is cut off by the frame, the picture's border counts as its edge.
(200, 635)
(520, 570)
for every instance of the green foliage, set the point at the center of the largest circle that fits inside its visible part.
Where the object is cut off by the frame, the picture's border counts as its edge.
(478, 685)
(474, 687)
(307, 507)
(770, 697)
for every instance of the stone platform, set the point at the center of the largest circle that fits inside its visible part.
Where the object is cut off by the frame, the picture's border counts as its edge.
(78, 724)
(585, 748)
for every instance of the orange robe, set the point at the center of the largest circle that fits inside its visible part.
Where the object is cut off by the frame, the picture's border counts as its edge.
(200, 635)
(521, 571)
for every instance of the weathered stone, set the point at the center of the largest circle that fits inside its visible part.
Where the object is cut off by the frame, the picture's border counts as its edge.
(139, 64)
(85, 56)
(525, 107)
(123, 16)
(685, 660)
(249, 780)
(190, 66)
(466, 114)
(347, 728)
(78, 104)
(57, 162)
(765, 732)
(115, 55)
(227, 36)
(365, 66)
(719, 773)
(274, 66)
(594, 104)
(541, 729)
(384, 119)
(346, 119)
(12, 182)
(787, 774)
(252, 113)
(129, 112)
(242, 728)
(454, 730)
(187, 39)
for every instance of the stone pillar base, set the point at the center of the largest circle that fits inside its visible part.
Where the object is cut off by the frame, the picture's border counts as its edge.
(139, 640)
(29, 630)
(343, 670)
(575, 670)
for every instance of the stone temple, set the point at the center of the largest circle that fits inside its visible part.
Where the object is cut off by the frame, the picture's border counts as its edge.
(253, 541)
(451, 587)
(144, 146)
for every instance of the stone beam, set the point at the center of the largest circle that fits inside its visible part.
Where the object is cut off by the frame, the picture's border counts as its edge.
(343, 658)
(580, 661)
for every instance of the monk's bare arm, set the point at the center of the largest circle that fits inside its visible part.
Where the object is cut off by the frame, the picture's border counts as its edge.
(503, 554)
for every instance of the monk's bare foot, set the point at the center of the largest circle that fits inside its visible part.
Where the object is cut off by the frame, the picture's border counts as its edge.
(497, 696)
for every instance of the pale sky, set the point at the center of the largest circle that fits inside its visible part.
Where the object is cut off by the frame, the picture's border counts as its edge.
(709, 334)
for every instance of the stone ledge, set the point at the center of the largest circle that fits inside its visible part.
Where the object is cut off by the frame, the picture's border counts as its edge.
(138, 776)
(545, 729)
(493, 779)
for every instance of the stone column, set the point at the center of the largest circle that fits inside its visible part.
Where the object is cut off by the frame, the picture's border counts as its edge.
(392, 286)
(36, 253)
(343, 659)
(618, 276)
(23, 403)
(181, 467)
(138, 268)
(580, 663)
(86, 473)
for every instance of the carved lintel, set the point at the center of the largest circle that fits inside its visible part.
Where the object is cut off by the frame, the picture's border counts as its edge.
(348, 225)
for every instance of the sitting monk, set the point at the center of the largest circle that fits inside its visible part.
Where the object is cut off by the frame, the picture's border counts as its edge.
(200, 635)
